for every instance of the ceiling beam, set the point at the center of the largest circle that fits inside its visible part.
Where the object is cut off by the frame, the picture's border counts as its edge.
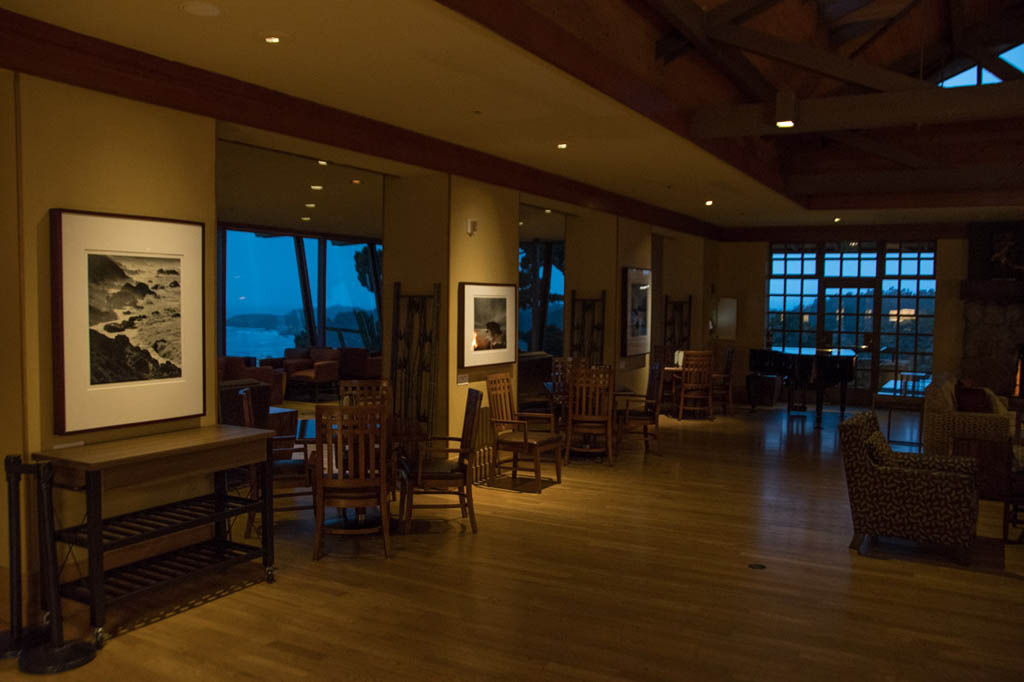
(1000, 67)
(877, 110)
(967, 178)
(689, 19)
(814, 59)
(884, 150)
(882, 201)
(739, 10)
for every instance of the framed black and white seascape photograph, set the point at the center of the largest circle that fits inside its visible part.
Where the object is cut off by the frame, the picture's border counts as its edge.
(487, 324)
(127, 319)
(636, 311)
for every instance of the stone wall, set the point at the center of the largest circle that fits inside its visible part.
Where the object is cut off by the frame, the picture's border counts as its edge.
(992, 332)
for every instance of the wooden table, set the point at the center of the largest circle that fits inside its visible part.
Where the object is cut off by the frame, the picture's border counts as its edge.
(98, 467)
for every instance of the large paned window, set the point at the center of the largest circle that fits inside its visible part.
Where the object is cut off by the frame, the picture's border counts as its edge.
(292, 291)
(873, 300)
(541, 295)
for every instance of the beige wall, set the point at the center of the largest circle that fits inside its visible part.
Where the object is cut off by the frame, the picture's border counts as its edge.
(682, 264)
(416, 254)
(634, 250)
(739, 273)
(591, 259)
(951, 268)
(12, 430)
(85, 150)
(490, 256)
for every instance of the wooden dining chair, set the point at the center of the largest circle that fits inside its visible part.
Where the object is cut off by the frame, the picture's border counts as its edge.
(721, 383)
(561, 368)
(694, 383)
(350, 464)
(639, 414)
(440, 469)
(355, 392)
(591, 410)
(291, 474)
(526, 436)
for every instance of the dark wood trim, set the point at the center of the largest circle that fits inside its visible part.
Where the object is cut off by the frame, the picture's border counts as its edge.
(844, 232)
(48, 51)
(290, 232)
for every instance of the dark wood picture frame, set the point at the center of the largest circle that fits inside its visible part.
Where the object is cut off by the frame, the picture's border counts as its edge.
(148, 405)
(507, 355)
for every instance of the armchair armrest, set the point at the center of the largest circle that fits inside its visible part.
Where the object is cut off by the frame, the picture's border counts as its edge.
(536, 416)
(325, 370)
(910, 460)
(982, 425)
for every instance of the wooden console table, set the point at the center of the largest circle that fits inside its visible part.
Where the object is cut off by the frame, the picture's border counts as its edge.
(99, 467)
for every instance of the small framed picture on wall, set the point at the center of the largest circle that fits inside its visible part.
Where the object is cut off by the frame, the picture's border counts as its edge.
(487, 324)
(636, 311)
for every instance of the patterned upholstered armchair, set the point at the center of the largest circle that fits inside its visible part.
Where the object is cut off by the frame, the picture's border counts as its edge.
(943, 422)
(916, 497)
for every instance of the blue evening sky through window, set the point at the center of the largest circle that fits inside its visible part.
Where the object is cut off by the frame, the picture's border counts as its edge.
(1014, 56)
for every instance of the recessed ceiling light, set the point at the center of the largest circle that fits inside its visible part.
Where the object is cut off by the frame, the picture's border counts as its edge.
(322, 162)
(836, 220)
(272, 40)
(562, 145)
(547, 210)
(316, 187)
(200, 9)
(520, 223)
(356, 181)
(709, 202)
(305, 218)
(311, 205)
(784, 124)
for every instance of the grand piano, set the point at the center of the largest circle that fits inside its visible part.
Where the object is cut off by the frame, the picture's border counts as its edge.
(802, 370)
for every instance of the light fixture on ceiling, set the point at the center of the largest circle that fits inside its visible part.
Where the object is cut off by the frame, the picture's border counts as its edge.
(562, 145)
(316, 187)
(547, 210)
(709, 202)
(200, 9)
(836, 220)
(310, 205)
(520, 223)
(321, 162)
(272, 40)
(305, 218)
(357, 181)
(785, 108)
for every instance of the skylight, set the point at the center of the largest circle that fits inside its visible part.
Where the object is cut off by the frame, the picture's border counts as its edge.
(1013, 56)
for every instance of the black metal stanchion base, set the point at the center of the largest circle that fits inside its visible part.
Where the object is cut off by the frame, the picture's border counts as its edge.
(30, 637)
(45, 659)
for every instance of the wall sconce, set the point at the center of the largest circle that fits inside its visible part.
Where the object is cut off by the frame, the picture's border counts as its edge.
(785, 109)
(471, 227)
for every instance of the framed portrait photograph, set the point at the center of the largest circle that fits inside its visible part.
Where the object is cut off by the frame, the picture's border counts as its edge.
(636, 311)
(487, 324)
(128, 337)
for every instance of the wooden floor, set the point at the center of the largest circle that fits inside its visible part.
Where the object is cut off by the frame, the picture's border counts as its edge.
(640, 572)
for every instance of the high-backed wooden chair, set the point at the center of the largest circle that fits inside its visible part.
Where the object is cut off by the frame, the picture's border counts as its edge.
(440, 469)
(591, 408)
(355, 392)
(694, 383)
(561, 368)
(350, 465)
(721, 383)
(640, 414)
(291, 473)
(526, 435)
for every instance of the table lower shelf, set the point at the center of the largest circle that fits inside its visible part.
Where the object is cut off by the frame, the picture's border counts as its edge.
(153, 573)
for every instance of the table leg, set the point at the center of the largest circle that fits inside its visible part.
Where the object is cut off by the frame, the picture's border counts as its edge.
(94, 535)
(220, 489)
(819, 403)
(268, 512)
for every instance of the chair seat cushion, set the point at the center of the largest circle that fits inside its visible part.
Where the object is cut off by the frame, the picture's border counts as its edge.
(532, 437)
(302, 375)
(436, 465)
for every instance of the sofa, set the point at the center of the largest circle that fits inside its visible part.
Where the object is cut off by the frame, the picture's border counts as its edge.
(231, 368)
(943, 421)
(907, 495)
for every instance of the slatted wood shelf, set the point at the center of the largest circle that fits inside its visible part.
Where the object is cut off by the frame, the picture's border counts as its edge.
(139, 526)
(153, 573)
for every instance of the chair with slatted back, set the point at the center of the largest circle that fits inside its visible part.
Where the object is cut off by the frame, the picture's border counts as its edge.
(350, 464)
(526, 436)
(291, 474)
(721, 383)
(639, 414)
(440, 469)
(591, 408)
(561, 368)
(371, 392)
(694, 383)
